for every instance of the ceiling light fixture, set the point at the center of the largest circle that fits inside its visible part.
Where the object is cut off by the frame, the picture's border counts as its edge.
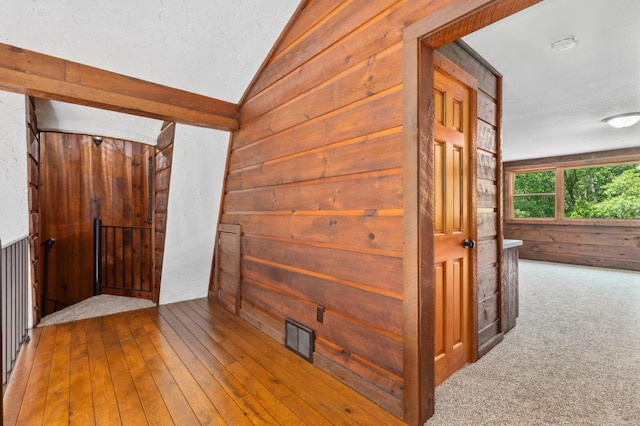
(623, 120)
(564, 44)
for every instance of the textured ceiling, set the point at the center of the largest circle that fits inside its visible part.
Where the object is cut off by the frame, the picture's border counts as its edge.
(554, 102)
(210, 47)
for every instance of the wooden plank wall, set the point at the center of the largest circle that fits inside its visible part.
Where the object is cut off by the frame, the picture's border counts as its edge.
(581, 244)
(33, 170)
(79, 183)
(590, 242)
(489, 187)
(315, 181)
(162, 169)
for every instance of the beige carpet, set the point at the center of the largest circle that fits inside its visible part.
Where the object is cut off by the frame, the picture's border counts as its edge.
(573, 358)
(96, 306)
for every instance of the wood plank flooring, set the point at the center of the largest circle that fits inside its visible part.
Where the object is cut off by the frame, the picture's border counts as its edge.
(187, 363)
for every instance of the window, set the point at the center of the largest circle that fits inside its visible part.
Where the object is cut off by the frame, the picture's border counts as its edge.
(534, 194)
(578, 189)
(605, 192)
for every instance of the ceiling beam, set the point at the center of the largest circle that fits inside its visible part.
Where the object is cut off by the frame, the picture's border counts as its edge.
(48, 77)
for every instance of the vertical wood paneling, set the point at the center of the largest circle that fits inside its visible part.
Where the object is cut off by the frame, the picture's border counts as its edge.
(510, 294)
(82, 181)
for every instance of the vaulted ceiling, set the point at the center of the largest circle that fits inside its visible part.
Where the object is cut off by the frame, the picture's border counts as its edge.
(553, 102)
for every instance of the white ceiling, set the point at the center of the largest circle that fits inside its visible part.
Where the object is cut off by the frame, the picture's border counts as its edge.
(554, 103)
(210, 47)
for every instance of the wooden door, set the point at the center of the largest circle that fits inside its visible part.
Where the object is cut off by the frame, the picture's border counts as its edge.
(453, 279)
(79, 182)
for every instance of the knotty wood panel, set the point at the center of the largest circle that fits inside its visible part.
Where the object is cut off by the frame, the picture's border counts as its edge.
(378, 310)
(345, 263)
(82, 181)
(377, 232)
(324, 194)
(315, 181)
(331, 84)
(371, 152)
(162, 171)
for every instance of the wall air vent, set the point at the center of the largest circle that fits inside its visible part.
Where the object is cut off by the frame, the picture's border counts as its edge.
(299, 338)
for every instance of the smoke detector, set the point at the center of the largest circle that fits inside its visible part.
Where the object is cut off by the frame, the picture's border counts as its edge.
(564, 44)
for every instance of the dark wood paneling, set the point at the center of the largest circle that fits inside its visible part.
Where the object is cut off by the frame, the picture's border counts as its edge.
(33, 173)
(162, 169)
(82, 181)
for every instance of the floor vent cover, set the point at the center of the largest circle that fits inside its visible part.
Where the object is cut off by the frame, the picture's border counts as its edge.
(299, 338)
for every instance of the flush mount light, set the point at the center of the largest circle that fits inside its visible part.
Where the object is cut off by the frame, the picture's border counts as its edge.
(564, 44)
(623, 120)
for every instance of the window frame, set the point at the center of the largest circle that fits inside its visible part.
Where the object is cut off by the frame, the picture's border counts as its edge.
(559, 165)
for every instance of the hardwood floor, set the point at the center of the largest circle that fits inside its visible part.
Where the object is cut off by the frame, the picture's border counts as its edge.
(187, 363)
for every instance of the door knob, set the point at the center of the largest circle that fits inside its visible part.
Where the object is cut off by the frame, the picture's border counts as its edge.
(468, 244)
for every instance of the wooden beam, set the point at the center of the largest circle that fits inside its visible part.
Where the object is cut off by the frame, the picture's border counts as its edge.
(48, 77)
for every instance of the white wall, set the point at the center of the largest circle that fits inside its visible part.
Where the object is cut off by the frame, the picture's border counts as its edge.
(197, 174)
(14, 203)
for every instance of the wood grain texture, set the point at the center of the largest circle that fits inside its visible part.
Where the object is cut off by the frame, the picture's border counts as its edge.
(185, 363)
(44, 76)
(80, 182)
(510, 293)
(33, 177)
(588, 242)
(488, 288)
(163, 160)
(318, 102)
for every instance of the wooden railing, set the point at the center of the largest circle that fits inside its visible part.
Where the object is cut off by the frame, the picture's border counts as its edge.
(122, 260)
(14, 277)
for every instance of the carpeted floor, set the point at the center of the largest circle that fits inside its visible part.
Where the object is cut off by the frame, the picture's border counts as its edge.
(96, 306)
(573, 358)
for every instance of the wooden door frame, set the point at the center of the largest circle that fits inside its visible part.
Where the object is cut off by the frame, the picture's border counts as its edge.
(448, 23)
